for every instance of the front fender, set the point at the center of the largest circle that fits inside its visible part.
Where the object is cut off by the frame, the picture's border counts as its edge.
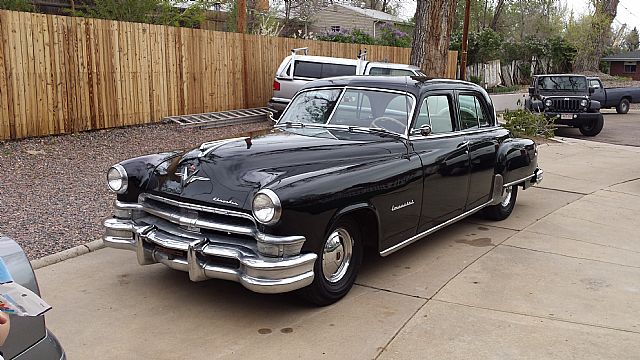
(140, 172)
(517, 160)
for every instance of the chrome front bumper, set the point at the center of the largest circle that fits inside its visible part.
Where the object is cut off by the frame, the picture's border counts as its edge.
(211, 257)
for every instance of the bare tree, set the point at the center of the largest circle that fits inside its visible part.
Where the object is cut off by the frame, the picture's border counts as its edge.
(496, 14)
(434, 22)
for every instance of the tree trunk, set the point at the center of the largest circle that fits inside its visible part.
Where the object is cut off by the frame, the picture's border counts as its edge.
(588, 59)
(496, 15)
(434, 22)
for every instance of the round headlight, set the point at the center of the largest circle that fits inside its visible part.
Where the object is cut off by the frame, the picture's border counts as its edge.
(117, 179)
(266, 207)
(584, 103)
(548, 103)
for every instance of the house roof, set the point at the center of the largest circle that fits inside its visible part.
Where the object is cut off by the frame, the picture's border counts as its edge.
(625, 56)
(375, 14)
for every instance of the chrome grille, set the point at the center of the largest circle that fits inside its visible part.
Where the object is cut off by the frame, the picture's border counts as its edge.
(197, 218)
(568, 104)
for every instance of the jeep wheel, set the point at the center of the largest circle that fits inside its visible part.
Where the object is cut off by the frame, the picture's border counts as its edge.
(592, 128)
(337, 265)
(502, 210)
(623, 106)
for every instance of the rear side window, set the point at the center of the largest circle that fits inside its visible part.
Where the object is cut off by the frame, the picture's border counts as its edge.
(316, 70)
(471, 112)
(390, 72)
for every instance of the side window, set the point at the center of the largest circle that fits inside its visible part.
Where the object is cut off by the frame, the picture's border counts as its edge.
(472, 113)
(468, 114)
(307, 69)
(389, 72)
(330, 70)
(482, 119)
(595, 83)
(436, 111)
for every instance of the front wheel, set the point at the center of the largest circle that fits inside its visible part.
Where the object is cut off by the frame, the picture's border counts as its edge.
(337, 265)
(593, 128)
(623, 106)
(502, 210)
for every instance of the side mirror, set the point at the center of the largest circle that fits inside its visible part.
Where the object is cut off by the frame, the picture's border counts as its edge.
(532, 90)
(592, 89)
(424, 130)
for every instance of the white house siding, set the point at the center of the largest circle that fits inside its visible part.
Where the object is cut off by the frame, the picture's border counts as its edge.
(347, 19)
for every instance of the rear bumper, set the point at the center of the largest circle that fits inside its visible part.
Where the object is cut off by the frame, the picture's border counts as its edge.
(576, 120)
(211, 258)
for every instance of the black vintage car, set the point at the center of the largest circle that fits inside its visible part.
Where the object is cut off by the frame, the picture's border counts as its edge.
(353, 162)
(566, 98)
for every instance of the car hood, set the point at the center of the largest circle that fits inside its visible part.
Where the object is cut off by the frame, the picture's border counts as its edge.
(228, 172)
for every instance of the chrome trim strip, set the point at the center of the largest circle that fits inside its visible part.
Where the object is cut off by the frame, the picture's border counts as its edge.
(415, 238)
(456, 133)
(281, 100)
(518, 181)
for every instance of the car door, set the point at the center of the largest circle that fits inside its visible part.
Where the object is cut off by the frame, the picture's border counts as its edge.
(483, 138)
(445, 160)
(599, 94)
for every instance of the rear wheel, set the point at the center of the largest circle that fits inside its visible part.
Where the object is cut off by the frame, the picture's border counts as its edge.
(593, 127)
(337, 265)
(623, 106)
(502, 210)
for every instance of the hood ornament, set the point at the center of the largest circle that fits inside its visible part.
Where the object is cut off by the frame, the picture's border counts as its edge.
(188, 175)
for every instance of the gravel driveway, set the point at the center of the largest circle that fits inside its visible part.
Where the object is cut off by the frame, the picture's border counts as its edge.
(53, 192)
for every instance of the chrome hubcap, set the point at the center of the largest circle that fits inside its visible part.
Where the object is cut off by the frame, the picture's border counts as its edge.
(507, 197)
(336, 255)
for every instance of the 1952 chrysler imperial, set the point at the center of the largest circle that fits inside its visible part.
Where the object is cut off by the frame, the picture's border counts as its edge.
(353, 162)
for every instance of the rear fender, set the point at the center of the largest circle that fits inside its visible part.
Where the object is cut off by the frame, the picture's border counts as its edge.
(517, 160)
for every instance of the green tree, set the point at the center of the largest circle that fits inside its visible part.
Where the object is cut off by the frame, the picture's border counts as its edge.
(632, 40)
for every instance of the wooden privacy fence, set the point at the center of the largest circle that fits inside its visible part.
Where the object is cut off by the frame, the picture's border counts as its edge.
(64, 74)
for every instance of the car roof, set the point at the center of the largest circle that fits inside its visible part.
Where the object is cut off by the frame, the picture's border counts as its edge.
(392, 65)
(415, 85)
(541, 75)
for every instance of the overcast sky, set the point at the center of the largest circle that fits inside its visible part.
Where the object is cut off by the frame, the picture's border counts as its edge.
(628, 11)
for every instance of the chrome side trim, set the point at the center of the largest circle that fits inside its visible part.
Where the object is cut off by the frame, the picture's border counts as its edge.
(415, 238)
(519, 181)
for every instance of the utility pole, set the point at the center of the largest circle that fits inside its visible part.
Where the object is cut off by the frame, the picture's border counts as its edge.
(465, 41)
(242, 16)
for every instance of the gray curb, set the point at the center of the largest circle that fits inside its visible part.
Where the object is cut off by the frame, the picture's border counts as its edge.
(67, 254)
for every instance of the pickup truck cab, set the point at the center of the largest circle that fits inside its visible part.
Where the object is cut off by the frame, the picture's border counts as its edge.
(296, 71)
(619, 98)
(566, 98)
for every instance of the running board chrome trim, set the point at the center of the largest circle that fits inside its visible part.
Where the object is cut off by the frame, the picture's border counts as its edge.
(415, 238)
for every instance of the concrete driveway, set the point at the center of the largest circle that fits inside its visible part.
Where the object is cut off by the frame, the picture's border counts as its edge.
(559, 279)
(621, 129)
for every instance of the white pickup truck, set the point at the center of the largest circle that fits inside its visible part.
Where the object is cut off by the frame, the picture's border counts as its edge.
(296, 70)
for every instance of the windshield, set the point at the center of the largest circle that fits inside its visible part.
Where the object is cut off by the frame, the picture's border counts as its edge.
(562, 83)
(356, 107)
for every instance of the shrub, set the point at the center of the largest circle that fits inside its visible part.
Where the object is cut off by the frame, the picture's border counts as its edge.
(390, 36)
(16, 5)
(524, 123)
(355, 36)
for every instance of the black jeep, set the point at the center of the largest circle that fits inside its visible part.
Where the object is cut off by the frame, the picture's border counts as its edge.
(566, 99)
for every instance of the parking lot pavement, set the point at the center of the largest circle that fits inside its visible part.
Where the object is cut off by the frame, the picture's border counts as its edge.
(558, 279)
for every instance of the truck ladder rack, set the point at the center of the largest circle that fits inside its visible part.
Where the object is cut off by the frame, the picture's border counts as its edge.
(221, 118)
